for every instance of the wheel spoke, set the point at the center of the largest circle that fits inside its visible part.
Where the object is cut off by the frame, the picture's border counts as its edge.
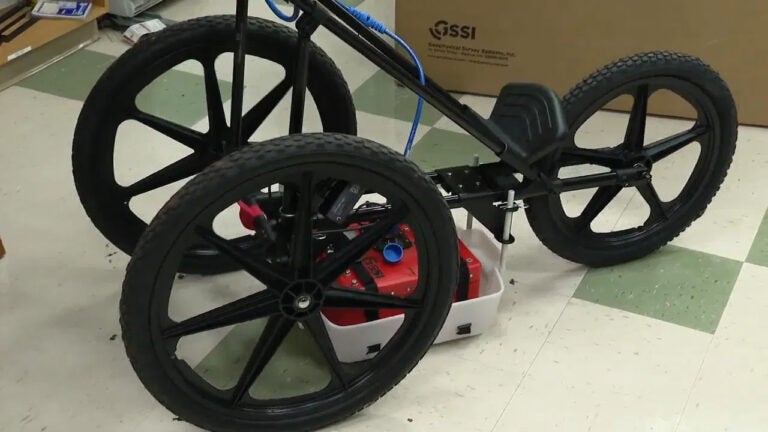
(301, 248)
(596, 205)
(252, 307)
(606, 157)
(665, 147)
(354, 250)
(179, 170)
(217, 120)
(257, 268)
(342, 298)
(254, 118)
(635, 135)
(271, 338)
(319, 331)
(649, 194)
(183, 135)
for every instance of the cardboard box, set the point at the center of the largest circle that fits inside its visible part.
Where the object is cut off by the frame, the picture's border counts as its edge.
(45, 42)
(477, 47)
(45, 31)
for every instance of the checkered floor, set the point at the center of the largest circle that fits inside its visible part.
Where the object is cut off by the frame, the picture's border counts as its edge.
(672, 342)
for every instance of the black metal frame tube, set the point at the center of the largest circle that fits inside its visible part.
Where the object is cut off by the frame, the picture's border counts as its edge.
(363, 40)
(300, 76)
(348, 29)
(238, 75)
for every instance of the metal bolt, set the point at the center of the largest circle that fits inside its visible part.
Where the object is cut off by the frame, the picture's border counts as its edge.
(347, 272)
(303, 302)
(354, 282)
(449, 174)
(469, 260)
(477, 183)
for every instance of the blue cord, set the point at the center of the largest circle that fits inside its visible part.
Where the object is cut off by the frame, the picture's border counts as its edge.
(420, 103)
(282, 15)
(372, 23)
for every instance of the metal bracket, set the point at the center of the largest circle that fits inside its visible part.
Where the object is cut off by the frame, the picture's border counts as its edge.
(510, 209)
(470, 218)
(309, 22)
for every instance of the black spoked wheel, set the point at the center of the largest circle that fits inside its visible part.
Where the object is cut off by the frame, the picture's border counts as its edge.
(289, 282)
(116, 101)
(711, 137)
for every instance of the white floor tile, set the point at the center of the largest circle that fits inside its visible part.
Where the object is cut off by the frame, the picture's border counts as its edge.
(607, 370)
(443, 393)
(529, 309)
(60, 370)
(739, 206)
(110, 42)
(731, 390)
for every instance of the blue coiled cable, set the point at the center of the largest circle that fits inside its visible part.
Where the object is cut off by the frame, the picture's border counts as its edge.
(282, 15)
(378, 26)
(371, 22)
(420, 103)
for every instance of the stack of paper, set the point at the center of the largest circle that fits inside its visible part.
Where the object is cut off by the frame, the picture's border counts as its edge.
(62, 9)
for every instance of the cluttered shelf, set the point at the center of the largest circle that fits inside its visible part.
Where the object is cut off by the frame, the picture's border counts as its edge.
(29, 41)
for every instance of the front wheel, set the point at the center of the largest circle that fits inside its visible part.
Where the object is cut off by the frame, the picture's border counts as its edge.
(280, 368)
(707, 144)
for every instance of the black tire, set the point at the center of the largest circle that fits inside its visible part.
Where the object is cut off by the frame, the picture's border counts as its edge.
(111, 98)
(151, 269)
(545, 213)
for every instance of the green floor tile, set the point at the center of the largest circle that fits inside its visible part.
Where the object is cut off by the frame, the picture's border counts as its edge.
(440, 148)
(71, 77)
(675, 284)
(297, 368)
(177, 96)
(380, 95)
(758, 254)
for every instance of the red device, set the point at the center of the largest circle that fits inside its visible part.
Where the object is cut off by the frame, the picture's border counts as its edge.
(395, 275)
(374, 273)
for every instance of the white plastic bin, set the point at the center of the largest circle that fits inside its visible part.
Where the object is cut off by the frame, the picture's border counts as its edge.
(362, 341)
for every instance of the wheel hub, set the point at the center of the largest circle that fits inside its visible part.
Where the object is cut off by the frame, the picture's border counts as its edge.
(301, 299)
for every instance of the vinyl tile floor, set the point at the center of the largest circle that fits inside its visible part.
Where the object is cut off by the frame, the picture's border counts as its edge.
(675, 341)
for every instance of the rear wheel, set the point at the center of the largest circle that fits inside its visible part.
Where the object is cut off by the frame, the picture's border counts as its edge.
(710, 141)
(281, 369)
(120, 210)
